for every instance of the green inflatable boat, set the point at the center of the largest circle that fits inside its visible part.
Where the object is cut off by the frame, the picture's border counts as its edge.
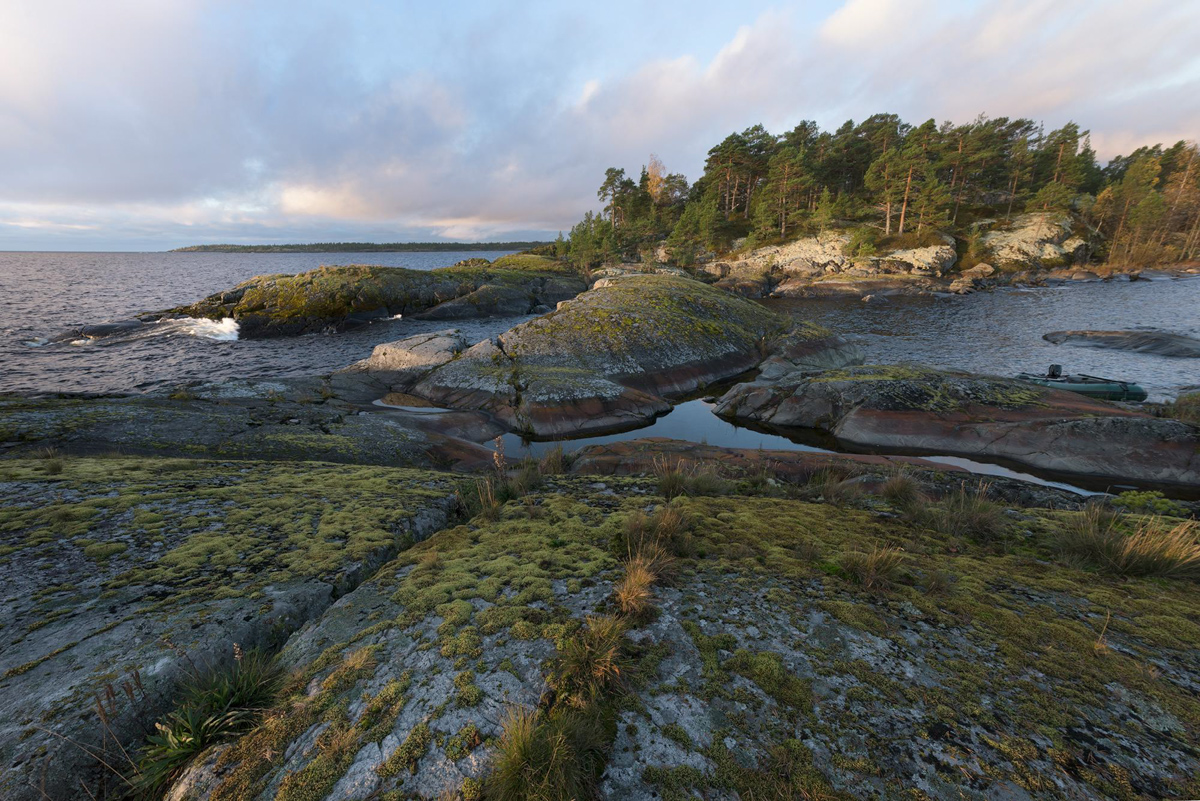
(1090, 385)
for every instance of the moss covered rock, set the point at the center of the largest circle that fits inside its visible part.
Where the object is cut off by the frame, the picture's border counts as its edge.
(766, 668)
(926, 410)
(337, 297)
(125, 574)
(609, 358)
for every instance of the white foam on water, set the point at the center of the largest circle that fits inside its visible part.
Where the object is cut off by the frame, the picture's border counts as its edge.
(36, 343)
(224, 330)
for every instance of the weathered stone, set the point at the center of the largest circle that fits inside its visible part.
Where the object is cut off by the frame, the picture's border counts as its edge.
(339, 297)
(1039, 240)
(127, 574)
(1160, 343)
(925, 410)
(609, 358)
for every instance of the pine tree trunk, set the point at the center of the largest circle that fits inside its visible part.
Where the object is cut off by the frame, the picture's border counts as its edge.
(1193, 240)
(904, 205)
(1166, 223)
(1117, 236)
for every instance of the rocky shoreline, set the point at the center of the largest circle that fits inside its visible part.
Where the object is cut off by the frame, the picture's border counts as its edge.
(834, 622)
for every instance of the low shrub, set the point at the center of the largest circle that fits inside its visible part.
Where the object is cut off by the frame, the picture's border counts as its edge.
(1150, 502)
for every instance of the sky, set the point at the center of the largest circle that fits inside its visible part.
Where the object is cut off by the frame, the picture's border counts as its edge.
(148, 125)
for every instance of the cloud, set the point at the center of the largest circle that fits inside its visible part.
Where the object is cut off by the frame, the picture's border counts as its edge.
(149, 124)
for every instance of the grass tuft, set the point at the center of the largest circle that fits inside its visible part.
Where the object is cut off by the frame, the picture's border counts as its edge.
(633, 592)
(216, 705)
(967, 512)
(556, 757)
(592, 664)
(876, 570)
(1096, 537)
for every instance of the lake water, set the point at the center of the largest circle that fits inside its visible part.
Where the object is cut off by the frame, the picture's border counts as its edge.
(47, 293)
(989, 332)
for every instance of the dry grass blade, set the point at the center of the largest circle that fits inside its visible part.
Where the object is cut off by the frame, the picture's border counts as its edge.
(633, 593)
(875, 570)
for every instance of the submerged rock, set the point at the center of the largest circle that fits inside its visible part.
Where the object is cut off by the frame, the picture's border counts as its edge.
(924, 410)
(612, 357)
(340, 297)
(1159, 343)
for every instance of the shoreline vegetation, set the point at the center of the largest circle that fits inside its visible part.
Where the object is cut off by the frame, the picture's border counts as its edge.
(362, 247)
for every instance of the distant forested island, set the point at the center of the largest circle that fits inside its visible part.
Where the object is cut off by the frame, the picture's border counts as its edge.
(891, 184)
(360, 247)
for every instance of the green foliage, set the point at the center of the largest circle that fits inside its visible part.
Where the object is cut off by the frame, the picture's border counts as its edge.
(896, 177)
(216, 705)
(1149, 502)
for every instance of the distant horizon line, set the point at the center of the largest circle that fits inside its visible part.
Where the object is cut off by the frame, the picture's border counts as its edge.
(311, 247)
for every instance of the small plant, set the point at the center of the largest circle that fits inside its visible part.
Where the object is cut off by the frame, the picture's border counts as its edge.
(463, 743)
(489, 505)
(554, 462)
(592, 663)
(633, 592)
(1100, 647)
(902, 491)
(1185, 408)
(1151, 502)
(215, 705)
(52, 462)
(876, 570)
(549, 757)
(675, 479)
(830, 485)
(967, 512)
(938, 582)
(657, 540)
(1151, 550)
(671, 482)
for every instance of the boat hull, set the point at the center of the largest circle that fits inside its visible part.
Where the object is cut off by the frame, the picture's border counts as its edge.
(1101, 390)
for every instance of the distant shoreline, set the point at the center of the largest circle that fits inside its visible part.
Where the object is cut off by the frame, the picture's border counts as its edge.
(360, 247)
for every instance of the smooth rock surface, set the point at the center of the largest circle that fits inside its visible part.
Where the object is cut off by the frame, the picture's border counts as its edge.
(924, 410)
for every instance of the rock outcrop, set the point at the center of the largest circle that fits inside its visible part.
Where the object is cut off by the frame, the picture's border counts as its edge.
(611, 357)
(341, 297)
(124, 575)
(1159, 343)
(819, 266)
(930, 411)
(1037, 240)
(965, 671)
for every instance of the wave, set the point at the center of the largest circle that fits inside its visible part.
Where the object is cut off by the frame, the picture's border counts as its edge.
(224, 330)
